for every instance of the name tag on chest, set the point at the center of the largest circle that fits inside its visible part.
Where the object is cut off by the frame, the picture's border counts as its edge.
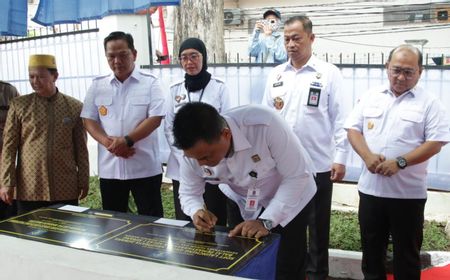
(314, 96)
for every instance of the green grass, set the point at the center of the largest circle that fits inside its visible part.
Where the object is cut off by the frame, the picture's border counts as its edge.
(94, 201)
(344, 229)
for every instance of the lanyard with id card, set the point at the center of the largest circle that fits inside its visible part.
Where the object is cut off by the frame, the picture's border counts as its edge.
(314, 92)
(251, 202)
(314, 96)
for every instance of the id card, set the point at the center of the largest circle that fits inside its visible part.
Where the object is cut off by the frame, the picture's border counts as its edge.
(314, 96)
(251, 202)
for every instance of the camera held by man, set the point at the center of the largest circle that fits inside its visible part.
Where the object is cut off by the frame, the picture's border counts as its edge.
(271, 24)
(266, 44)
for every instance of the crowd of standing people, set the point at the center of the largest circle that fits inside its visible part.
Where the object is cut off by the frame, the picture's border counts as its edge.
(256, 168)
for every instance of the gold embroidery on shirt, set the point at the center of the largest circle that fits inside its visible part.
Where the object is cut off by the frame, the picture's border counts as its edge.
(103, 110)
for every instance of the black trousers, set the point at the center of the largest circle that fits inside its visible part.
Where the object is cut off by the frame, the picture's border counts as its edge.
(146, 193)
(7, 211)
(215, 201)
(403, 219)
(319, 228)
(291, 257)
(27, 206)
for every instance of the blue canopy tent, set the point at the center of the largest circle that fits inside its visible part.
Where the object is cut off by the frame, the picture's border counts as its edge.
(13, 15)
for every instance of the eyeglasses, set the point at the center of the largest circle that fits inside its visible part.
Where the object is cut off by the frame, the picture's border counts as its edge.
(192, 57)
(407, 73)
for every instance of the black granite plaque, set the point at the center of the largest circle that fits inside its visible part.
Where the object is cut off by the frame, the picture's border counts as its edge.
(183, 247)
(137, 237)
(63, 227)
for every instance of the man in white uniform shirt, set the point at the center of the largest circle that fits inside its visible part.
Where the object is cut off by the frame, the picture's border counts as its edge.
(122, 111)
(267, 172)
(308, 93)
(395, 129)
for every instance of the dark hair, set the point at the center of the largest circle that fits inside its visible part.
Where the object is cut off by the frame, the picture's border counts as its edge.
(53, 71)
(272, 12)
(196, 121)
(306, 22)
(119, 35)
(409, 47)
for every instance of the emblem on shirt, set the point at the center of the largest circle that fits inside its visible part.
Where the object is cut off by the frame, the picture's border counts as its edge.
(278, 103)
(370, 125)
(256, 158)
(207, 171)
(318, 75)
(178, 98)
(103, 110)
(278, 77)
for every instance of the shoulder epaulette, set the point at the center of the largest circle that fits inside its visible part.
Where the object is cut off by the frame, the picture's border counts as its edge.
(177, 83)
(219, 80)
(147, 74)
(101, 77)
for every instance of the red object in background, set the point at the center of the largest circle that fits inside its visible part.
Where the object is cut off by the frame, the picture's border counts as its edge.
(162, 27)
(433, 273)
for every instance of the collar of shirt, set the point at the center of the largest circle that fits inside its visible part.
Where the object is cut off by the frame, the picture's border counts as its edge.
(135, 74)
(240, 142)
(312, 63)
(413, 92)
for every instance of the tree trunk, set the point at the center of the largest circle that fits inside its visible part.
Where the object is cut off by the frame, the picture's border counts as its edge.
(201, 19)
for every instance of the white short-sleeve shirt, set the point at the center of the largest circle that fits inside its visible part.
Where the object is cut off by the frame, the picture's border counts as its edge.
(312, 101)
(215, 94)
(393, 126)
(119, 108)
(267, 155)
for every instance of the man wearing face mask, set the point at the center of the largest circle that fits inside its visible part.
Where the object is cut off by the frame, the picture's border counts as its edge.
(266, 44)
(198, 85)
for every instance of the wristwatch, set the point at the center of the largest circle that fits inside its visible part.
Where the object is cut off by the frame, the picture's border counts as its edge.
(267, 224)
(401, 162)
(129, 141)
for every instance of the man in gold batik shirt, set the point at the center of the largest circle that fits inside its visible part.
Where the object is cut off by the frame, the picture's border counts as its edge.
(7, 92)
(45, 132)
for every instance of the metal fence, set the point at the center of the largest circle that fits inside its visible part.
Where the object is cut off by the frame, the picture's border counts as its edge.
(80, 58)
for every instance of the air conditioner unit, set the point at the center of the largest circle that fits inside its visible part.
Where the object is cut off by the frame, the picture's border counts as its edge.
(442, 15)
(232, 16)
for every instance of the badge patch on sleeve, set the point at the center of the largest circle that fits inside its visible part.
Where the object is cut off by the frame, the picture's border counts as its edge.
(314, 96)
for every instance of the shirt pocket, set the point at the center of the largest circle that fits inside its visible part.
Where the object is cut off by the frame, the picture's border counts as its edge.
(256, 172)
(411, 116)
(104, 107)
(410, 124)
(308, 107)
(278, 96)
(139, 107)
(373, 117)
